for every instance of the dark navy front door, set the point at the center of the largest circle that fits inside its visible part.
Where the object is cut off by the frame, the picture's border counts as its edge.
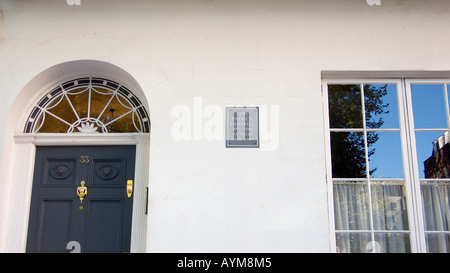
(60, 220)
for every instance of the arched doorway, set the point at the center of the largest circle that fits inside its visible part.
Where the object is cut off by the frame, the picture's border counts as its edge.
(90, 90)
(82, 195)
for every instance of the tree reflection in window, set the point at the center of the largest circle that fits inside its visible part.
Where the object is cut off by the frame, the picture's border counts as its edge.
(369, 194)
(89, 105)
(357, 115)
(352, 112)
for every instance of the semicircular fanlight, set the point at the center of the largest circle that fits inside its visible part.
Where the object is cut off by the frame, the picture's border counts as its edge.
(88, 105)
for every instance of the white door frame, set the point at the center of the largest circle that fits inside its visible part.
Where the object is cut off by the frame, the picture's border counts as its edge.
(22, 179)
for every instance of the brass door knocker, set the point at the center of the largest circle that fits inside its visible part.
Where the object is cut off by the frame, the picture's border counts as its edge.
(82, 191)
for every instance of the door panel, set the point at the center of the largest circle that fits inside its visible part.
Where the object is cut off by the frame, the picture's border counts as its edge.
(54, 225)
(108, 173)
(101, 222)
(104, 213)
(59, 172)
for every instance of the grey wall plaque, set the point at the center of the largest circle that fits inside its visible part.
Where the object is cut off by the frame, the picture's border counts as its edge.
(242, 127)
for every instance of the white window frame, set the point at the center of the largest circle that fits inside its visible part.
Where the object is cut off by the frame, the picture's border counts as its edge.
(415, 160)
(410, 160)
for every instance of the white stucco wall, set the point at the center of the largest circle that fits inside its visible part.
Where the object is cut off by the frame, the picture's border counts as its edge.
(204, 197)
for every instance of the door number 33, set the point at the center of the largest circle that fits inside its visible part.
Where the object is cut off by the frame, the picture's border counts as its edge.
(84, 159)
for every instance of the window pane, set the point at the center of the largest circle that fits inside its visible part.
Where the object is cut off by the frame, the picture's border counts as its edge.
(353, 243)
(351, 206)
(382, 243)
(348, 155)
(428, 104)
(79, 98)
(438, 243)
(385, 155)
(381, 107)
(344, 102)
(393, 242)
(436, 205)
(429, 146)
(389, 206)
(60, 107)
(50, 124)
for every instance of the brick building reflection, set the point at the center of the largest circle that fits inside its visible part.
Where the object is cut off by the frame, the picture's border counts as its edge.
(438, 164)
